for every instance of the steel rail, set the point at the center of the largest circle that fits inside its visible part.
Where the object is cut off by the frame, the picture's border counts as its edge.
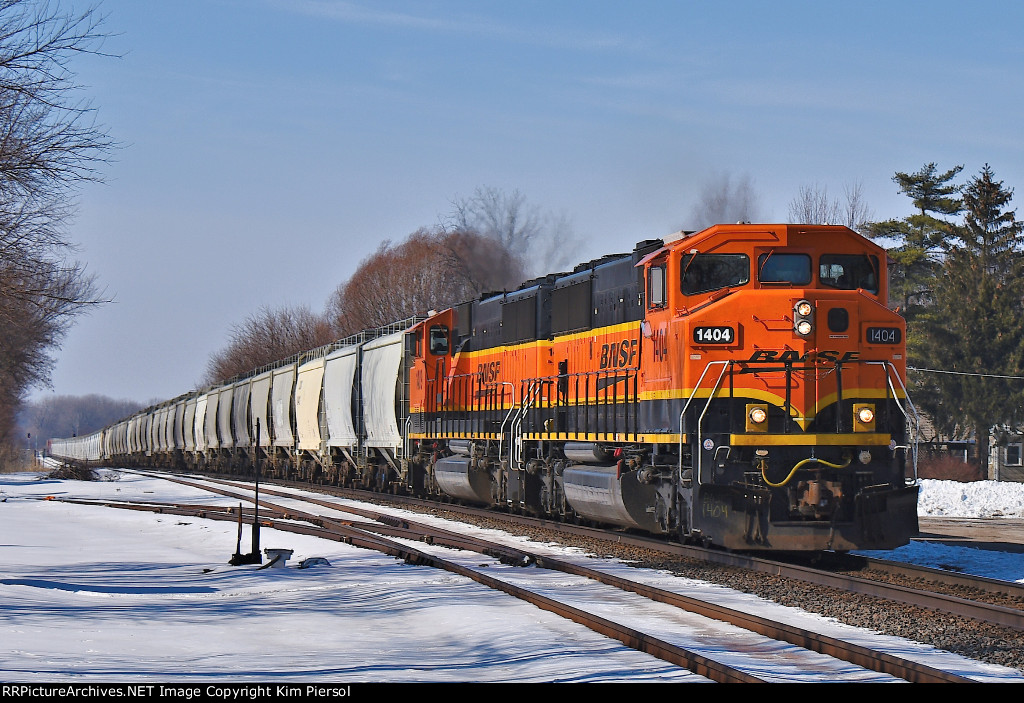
(630, 637)
(823, 644)
(954, 605)
(947, 578)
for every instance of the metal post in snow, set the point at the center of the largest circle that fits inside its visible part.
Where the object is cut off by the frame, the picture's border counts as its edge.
(256, 517)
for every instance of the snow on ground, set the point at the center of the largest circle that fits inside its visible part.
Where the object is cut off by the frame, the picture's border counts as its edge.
(93, 594)
(978, 499)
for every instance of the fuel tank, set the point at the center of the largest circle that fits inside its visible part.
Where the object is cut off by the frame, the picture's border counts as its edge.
(456, 478)
(601, 494)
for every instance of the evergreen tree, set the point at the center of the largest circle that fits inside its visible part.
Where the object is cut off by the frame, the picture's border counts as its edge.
(919, 238)
(974, 329)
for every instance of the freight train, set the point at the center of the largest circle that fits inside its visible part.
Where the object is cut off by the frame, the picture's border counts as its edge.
(741, 386)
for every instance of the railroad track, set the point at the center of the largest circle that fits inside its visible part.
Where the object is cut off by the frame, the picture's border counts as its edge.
(948, 592)
(962, 595)
(760, 651)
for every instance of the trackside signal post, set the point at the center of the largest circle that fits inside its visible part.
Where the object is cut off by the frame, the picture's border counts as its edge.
(253, 557)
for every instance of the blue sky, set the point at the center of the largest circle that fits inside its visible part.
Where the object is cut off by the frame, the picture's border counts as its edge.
(268, 146)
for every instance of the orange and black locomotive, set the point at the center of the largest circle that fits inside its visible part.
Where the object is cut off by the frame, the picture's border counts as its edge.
(741, 386)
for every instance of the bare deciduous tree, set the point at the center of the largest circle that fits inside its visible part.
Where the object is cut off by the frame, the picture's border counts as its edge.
(49, 144)
(429, 270)
(813, 205)
(266, 336)
(545, 242)
(856, 213)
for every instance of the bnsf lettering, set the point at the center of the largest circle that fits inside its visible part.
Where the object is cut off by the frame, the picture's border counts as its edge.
(827, 356)
(619, 354)
(488, 373)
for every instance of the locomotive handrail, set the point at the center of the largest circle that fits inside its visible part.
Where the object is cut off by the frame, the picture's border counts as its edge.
(573, 395)
(913, 417)
(515, 434)
(682, 415)
(501, 435)
(407, 441)
(700, 420)
(516, 438)
(513, 415)
(915, 421)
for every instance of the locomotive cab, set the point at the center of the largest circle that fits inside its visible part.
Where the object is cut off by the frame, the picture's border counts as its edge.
(785, 370)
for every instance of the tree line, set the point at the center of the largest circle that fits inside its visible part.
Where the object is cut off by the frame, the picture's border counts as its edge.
(70, 416)
(487, 243)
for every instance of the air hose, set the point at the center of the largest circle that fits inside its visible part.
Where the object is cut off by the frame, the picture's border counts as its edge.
(799, 465)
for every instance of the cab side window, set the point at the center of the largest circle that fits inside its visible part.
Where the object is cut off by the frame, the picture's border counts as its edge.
(656, 291)
(439, 340)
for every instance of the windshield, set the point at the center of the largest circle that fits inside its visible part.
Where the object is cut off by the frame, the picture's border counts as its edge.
(849, 271)
(707, 272)
(775, 267)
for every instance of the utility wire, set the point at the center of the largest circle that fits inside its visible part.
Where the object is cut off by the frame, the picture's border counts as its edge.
(961, 373)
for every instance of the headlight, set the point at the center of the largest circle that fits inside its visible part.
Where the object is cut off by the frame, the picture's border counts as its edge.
(757, 417)
(803, 318)
(864, 417)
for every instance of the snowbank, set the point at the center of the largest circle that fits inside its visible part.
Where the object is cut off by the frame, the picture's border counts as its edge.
(976, 499)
